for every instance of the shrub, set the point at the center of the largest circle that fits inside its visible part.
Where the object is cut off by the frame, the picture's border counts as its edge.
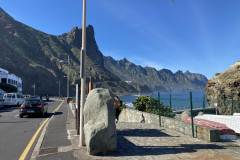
(150, 105)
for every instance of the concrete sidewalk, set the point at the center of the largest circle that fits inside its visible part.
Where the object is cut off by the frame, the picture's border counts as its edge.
(135, 141)
(54, 143)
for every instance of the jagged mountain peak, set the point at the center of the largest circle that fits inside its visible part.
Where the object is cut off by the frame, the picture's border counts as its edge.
(187, 72)
(166, 71)
(179, 72)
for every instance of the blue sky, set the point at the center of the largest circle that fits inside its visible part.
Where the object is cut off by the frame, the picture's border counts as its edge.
(202, 36)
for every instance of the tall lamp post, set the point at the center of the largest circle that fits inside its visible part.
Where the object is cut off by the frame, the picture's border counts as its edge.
(58, 88)
(62, 61)
(83, 73)
(34, 88)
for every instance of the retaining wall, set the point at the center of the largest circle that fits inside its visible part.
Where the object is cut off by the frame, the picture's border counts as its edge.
(201, 132)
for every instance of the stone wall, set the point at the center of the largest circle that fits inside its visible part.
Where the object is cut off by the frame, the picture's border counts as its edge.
(201, 132)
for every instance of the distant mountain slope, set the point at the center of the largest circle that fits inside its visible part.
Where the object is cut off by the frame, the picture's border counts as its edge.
(35, 57)
(163, 80)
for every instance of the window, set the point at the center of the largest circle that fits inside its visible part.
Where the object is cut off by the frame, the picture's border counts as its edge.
(10, 96)
(9, 81)
(4, 80)
(18, 96)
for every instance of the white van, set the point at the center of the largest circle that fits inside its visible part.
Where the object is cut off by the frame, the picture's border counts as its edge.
(13, 99)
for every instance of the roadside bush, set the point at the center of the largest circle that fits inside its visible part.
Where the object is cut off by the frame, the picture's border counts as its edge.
(150, 105)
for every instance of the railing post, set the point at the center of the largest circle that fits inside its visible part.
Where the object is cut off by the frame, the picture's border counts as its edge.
(170, 101)
(191, 114)
(159, 112)
(203, 104)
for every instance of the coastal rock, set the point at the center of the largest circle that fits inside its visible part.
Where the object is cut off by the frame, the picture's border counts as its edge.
(222, 87)
(99, 122)
(185, 114)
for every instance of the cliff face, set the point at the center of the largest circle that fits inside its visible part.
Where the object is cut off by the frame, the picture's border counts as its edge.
(163, 80)
(221, 88)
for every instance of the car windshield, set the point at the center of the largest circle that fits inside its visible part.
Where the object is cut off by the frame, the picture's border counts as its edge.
(35, 97)
(10, 96)
(36, 102)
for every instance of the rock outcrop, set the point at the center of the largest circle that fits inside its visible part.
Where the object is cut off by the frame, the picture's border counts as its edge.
(223, 87)
(99, 122)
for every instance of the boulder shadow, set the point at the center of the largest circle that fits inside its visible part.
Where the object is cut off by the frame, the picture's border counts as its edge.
(127, 148)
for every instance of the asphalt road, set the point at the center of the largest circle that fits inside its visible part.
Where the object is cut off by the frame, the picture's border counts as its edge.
(15, 132)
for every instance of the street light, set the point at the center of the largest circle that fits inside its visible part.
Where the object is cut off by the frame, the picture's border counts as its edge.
(62, 61)
(58, 88)
(83, 73)
(34, 87)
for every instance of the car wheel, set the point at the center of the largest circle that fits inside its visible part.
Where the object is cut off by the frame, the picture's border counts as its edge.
(21, 116)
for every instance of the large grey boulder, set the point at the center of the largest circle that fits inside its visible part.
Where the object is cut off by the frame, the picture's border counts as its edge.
(99, 122)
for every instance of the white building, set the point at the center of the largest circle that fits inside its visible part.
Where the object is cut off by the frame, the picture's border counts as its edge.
(128, 82)
(11, 79)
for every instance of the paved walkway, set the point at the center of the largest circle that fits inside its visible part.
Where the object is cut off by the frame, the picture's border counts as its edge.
(136, 141)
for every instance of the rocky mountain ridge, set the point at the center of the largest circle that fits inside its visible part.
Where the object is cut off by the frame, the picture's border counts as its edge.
(35, 57)
(163, 80)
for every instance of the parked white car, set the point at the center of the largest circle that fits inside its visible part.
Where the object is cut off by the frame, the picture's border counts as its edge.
(13, 99)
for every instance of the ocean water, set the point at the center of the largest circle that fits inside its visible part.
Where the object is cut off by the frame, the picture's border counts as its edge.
(179, 101)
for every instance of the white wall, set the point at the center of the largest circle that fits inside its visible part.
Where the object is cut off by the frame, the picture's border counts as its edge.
(5, 74)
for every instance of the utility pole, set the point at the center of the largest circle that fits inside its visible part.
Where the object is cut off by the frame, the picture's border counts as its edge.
(34, 86)
(68, 62)
(83, 73)
(58, 88)
(68, 79)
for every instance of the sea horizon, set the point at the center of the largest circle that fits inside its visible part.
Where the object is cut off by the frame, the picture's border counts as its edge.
(179, 101)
